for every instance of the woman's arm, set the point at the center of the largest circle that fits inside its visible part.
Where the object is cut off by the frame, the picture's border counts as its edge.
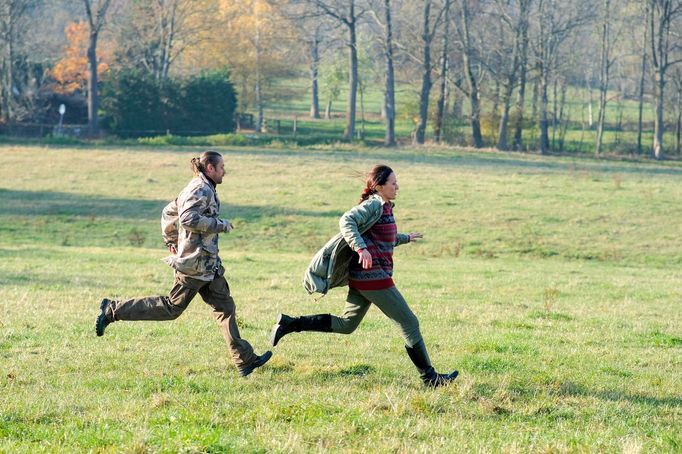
(359, 215)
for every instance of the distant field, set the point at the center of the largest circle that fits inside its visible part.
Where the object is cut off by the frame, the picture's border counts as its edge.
(554, 286)
(292, 99)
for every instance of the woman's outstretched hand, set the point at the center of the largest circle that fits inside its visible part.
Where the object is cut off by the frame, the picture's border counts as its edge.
(415, 236)
(365, 258)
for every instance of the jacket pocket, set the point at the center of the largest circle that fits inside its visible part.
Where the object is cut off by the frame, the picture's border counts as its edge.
(200, 262)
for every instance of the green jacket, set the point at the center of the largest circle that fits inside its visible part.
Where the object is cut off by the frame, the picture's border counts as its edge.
(329, 266)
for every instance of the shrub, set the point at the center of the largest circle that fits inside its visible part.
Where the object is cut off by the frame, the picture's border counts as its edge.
(134, 104)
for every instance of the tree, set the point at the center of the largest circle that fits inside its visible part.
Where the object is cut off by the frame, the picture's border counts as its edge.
(642, 73)
(470, 71)
(428, 33)
(555, 23)
(444, 63)
(71, 72)
(386, 25)
(605, 62)
(153, 34)
(664, 15)
(96, 11)
(514, 16)
(12, 15)
(346, 14)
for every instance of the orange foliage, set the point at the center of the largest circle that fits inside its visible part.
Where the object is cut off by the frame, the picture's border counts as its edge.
(71, 72)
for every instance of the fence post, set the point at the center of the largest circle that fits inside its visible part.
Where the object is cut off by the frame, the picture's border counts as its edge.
(295, 124)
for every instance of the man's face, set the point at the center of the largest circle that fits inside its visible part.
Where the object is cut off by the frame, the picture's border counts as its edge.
(216, 173)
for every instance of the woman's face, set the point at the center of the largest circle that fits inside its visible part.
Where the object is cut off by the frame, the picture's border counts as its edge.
(389, 190)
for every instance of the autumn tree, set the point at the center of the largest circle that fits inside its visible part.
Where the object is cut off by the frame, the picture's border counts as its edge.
(253, 40)
(71, 72)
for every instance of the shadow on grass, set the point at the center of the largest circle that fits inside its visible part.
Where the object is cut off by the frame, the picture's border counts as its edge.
(53, 203)
(511, 161)
(577, 390)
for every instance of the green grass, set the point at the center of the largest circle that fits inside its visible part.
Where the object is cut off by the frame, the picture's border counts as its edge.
(552, 284)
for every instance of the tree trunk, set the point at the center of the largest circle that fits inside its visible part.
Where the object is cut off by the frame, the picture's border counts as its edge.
(11, 10)
(349, 130)
(678, 123)
(93, 95)
(555, 109)
(361, 89)
(258, 87)
(426, 77)
(8, 75)
(389, 101)
(544, 106)
(642, 77)
(523, 70)
(603, 75)
(563, 122)
(658, 123)
(474, 89)
(168, 44)
(440, 115)
(314, 73)
(328, 110)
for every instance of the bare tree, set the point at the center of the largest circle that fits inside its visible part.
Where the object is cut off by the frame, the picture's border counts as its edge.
(96, 11)
(153, 34)
(642, 74)
(12, 13)
(314, 53)
(385, 22)
(676, 78)
(444, 63)
(428, 34)
(346, 14)
(516, 19)
(664, 14)
(470, 68)
(556, 22)
(605, 62)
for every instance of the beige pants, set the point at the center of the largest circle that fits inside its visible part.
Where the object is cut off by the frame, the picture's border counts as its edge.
(389, 301)
(215, 293)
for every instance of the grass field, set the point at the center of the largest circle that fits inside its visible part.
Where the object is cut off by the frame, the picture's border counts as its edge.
(553, 285)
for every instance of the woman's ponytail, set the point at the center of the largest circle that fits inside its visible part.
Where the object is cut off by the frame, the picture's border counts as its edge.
(376, 177)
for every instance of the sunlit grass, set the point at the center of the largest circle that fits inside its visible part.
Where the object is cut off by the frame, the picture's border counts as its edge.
(553, 285)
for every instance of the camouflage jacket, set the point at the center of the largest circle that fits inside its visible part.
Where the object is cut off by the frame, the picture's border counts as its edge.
(191, 224)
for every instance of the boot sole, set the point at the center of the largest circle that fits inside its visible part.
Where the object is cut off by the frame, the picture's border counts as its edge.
(264, 358)
(273, 333)
(101, 322)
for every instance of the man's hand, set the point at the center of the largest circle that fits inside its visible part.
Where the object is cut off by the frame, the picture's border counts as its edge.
(365, 258)
(228, 226)
(172, 249)
(415, 236)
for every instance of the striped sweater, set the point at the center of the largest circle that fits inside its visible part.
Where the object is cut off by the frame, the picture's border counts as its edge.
(380, 240)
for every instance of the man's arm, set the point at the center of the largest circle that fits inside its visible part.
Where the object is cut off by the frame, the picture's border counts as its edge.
(191, 216)
(169, 225)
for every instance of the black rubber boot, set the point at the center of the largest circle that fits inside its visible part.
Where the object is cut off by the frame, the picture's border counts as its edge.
(260, 360)
(286, 325)
(420, 358)
(104, 318)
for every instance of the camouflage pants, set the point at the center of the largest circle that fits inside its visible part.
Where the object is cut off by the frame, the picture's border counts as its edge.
(215, 293)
